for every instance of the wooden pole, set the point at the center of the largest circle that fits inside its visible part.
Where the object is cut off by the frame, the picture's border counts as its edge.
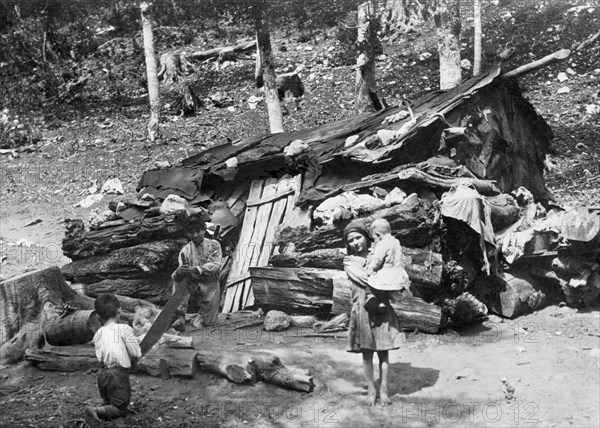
(555, 57)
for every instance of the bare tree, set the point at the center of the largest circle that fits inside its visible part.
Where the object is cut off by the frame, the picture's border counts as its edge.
(477, 41)
(447, 21)
(368, 47)
(153, 90)
(265, 71)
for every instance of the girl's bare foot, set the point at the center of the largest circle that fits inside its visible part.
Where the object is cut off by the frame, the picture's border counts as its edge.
(384, 398)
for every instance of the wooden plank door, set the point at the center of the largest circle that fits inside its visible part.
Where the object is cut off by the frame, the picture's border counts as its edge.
(268, 201)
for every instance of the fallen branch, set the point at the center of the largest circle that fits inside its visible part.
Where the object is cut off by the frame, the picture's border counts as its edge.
(555, 57)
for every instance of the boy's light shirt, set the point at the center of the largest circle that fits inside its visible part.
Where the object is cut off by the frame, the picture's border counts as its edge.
(115, 345)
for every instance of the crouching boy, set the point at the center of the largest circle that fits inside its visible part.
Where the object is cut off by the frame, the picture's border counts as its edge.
(116, 348)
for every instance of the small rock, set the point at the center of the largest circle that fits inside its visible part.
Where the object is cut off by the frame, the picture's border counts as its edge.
(571, 71)
(581, 146)
(592, 109)
(147, 197)
(425, 56)
(231, 109)
(89, 200)
(172, 204)
(562, 77)
(308, 48)
(465, 374)
(277, 321)
(563, 90)
(113, 186)
(521, 349)
(385, 136)
(161, 164)
(558, 333)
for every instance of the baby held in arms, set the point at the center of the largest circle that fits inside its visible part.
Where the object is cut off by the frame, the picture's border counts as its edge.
(386, 273)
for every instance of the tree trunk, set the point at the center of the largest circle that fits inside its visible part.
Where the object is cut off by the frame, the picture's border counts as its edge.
(392, 16)
(79, 243)
(235, 367)
(77, 328)
(423, 267)
(415, 225)
(177, 362)
(294, 290)
(270, 369)
(153, 90)
(136, 262)
(265, 71)
(368, 47)
(447, 21)
(477, 36)
(413, 312)
(30, 306)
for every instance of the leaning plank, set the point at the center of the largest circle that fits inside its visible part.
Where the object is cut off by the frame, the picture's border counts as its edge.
(300, 290)
(235, 367)
(413, 312)
(415, 224)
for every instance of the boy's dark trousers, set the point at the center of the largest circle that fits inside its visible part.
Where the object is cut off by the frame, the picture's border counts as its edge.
(115, 387)
(115, 390)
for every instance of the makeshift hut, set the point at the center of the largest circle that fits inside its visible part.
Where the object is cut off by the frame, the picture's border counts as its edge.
(281, 202)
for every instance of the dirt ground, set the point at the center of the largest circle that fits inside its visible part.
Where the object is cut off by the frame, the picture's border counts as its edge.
(549, 357)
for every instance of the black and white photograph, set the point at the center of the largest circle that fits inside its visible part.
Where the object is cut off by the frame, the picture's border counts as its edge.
(299, 213)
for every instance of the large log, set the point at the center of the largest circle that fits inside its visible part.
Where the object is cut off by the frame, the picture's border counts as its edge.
(235, 367)
(63, 358)
(510, 294)
(137, 262)
(413, 312)
(299, 290)
(79, 243)
(224, 53)
(156, 288)
(415, 224)
(424, 267)
(77, 328)
(270, 369)
(30, 303)
(179, 362)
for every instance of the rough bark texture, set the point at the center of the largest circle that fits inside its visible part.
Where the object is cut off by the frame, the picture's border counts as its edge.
(270, 369)
(424, 267)
(415, 225)
(31, 304)
(447, 21)
(79, 243)
(235, 367)
(136, 262)
(413, 312)
(153, 90)
(365, 94)
(301, 290)
(265, 72)
(26, 302)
